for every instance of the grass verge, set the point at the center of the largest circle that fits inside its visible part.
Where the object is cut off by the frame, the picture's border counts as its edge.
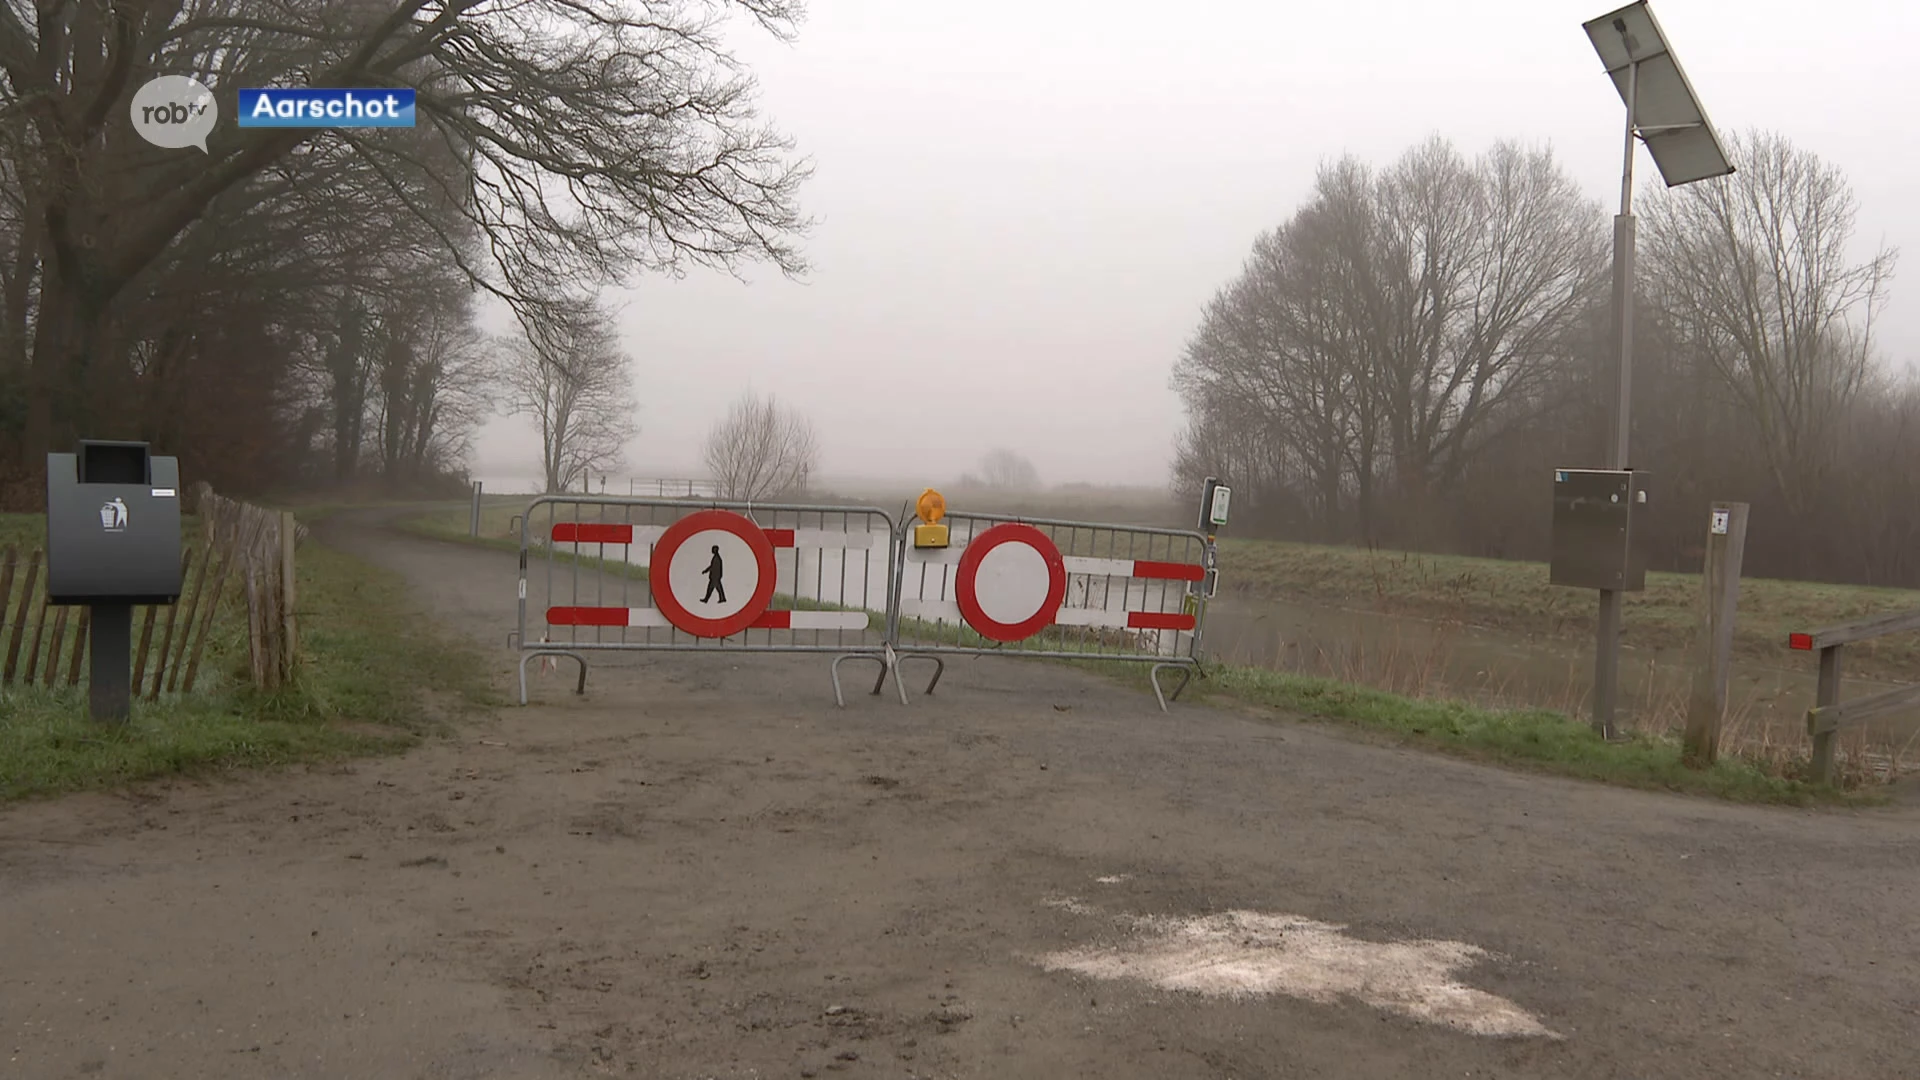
(370, 681)
(1539, 740)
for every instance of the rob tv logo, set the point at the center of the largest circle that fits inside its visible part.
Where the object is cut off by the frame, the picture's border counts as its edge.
(174, 111)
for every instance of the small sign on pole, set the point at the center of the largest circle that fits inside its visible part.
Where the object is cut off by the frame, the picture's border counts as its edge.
(1720, 599)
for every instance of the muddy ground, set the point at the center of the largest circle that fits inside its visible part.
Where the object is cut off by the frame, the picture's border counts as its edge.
(705, 869)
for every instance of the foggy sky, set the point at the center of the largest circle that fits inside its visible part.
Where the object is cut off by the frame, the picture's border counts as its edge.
(1023, 205)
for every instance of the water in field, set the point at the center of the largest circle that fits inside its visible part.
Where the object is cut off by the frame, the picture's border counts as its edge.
(1419, 657)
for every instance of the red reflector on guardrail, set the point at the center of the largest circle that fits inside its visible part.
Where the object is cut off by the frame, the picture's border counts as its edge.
(1800, 641)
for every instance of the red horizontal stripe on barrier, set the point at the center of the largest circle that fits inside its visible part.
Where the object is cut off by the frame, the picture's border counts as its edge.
(774, 620)
(1800, 641)
(586, 616)
(587, 532)
(1171, 571)
(780, 538)
(1159, 620)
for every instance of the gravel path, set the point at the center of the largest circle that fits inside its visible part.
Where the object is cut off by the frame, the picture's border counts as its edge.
(705, 869)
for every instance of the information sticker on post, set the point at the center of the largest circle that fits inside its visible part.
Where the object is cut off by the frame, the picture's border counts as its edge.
(1214, 500)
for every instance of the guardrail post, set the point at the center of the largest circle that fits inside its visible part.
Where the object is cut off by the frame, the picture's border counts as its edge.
(1827, 694)
(473, 528)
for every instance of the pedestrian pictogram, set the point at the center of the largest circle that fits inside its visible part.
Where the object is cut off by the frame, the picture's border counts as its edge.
(716, 572)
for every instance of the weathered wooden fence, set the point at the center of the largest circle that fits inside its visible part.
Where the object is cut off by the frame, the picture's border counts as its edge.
(1829, 714)
(261, 544)
(242, 548)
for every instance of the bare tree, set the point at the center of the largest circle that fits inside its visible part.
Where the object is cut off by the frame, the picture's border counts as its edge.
(1394, 326)
(762, 450)
(1753, 272)
(1491, 265)
(1006, 470)
(572, 380)
(584, 139)
(436, 378)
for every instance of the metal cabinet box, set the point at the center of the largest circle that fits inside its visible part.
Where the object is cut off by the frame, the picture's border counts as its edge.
(113, 526)
(1596, 538)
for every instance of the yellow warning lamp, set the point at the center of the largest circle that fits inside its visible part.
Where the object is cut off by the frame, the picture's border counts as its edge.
(931, 507)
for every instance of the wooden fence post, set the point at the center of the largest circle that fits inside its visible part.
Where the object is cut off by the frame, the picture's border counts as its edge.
(20, 617)
(1720, 601)
(7, 560)
(53, 646)
(82, 641)
(168, 667)
(1828, 693)
(241, 539)
(289, 636)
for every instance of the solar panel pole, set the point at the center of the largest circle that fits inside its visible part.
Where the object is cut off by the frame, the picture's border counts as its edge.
(1662, 112)
(1606, 660)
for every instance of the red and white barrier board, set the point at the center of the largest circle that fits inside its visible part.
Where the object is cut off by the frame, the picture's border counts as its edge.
(711, 575)
(1011, 582)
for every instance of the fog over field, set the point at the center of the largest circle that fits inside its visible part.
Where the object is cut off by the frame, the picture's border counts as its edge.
(1022, 209)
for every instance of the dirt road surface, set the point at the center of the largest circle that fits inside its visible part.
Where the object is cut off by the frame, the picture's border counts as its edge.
(705, 869)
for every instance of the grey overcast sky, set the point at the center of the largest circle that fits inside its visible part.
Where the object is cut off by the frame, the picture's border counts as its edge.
(1023, 205)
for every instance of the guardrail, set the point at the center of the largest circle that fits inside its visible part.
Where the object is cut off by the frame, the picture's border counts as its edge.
(1829, 714)
(665, 488)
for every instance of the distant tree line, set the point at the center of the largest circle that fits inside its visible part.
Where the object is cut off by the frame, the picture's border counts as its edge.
(1002, 471)
(1407, 358)
(296, 306)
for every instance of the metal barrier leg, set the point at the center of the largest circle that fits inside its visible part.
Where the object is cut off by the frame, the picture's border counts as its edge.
(1194, 672)
(581, 688)
(1153, 676)
(840, 698)
(939, 668)
(891, 666)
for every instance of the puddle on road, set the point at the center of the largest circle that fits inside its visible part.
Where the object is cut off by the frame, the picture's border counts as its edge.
(1240, 954)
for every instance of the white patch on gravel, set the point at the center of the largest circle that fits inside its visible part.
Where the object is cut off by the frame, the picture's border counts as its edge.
(1239, 954)
(1068, 903)
(1111, 879)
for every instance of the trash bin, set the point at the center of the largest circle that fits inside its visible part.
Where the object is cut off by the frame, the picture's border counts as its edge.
(113, 541)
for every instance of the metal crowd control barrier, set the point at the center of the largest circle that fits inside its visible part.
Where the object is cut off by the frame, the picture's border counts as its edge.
(613, 574)
(1052, 589)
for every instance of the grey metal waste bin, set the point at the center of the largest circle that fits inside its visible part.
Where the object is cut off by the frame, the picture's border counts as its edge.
(113, 541)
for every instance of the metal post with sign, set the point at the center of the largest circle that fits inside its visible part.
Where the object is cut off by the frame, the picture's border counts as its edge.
(1663, 113)
(1215, 498)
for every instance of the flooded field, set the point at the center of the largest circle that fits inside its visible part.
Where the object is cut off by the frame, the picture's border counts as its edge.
(1407, 655)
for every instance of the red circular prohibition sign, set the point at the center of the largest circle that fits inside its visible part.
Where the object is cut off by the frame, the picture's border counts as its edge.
(660, 579)
(1009, 532)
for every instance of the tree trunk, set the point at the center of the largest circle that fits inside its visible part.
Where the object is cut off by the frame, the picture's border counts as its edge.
(65, 332)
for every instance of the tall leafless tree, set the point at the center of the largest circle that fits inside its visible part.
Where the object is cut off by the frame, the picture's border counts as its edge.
(761, 450)
(571, 379)
(1394, 325)
(1755, 274)
(584, 139)
(436, 381)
